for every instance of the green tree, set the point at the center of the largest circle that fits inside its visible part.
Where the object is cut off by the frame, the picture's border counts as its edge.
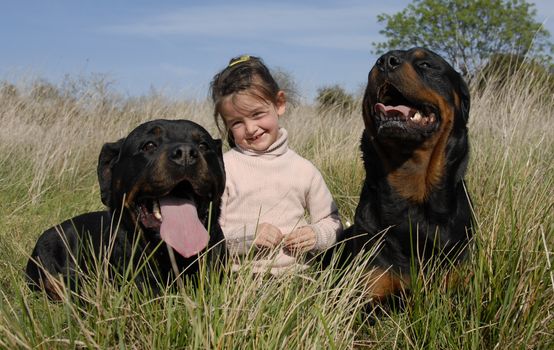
(501, 69)
(468, 32)
(334, 98)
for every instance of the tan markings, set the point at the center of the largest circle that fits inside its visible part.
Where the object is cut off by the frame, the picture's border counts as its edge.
(53, 287)
(437, 161)
(457, 101)
(161, 166)
(373, 74)
(418, 175)
(409, 180)
(415, 178)
(129, 203)
(158, 180)
(413, 83)
(419, 54)
(162, 160)
(157, 131)
(130, 197)
(379, 284)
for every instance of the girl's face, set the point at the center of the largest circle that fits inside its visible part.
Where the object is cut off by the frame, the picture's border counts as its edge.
(253, 122)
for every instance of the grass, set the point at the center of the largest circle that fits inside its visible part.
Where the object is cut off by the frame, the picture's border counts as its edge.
(49, 144)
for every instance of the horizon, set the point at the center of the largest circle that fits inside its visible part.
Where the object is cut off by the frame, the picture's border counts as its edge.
(175, 48)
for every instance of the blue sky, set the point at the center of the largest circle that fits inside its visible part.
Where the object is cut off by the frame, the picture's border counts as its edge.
(177, 46)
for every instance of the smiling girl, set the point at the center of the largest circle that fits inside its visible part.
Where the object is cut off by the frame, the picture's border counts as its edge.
(269, 187)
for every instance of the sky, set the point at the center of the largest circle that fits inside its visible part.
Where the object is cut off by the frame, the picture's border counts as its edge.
(176, 47)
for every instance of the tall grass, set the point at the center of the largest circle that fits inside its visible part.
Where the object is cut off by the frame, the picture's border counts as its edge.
(49, 144)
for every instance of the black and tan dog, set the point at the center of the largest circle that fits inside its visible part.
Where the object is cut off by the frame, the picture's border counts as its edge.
(415, 151)
(163, 182)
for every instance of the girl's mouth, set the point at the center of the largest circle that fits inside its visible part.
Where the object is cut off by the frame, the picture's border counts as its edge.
(256, 137)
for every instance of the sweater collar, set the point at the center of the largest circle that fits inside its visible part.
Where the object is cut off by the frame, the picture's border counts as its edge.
(278, 148)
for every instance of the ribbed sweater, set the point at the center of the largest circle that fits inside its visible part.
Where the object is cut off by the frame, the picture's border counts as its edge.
(281, 188)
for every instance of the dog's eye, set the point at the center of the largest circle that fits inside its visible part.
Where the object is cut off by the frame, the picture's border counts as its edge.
(424, 64)
(149, 146)
(203, 146)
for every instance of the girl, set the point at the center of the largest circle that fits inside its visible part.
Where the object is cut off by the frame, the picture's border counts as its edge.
(269, 187)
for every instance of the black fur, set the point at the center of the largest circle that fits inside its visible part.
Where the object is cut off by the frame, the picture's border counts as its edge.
(419, 209)
(157, 158)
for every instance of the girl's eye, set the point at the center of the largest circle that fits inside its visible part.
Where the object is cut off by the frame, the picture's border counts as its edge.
(149, 146)
(258, 114)
(234, 125)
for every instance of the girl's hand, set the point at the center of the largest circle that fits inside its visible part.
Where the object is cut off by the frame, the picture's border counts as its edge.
(301, 240)
(268, 236)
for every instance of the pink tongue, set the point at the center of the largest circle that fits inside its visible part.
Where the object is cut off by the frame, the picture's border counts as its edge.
(181, 228)
(387, 110)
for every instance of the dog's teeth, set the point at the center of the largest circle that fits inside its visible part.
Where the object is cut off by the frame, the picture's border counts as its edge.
(156, 210)
(416, 117)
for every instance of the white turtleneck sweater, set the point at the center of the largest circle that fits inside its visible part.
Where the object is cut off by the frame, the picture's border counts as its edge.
(278, 187)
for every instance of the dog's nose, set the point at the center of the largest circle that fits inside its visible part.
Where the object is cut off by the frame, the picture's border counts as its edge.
(389, 62)
(184, 155)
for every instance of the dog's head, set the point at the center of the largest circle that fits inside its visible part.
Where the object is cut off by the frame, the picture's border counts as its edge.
(412, 96)
(416, 109)
(163, 174)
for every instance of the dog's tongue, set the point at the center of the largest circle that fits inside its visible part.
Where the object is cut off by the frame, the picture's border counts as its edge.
(181, 228)
(388, 110)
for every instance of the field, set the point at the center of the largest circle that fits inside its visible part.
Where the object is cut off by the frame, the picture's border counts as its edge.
(50, 137)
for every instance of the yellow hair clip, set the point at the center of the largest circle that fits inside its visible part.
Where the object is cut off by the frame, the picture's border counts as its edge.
(241, 59)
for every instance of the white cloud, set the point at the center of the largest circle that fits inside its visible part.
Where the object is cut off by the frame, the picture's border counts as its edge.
(341, 26)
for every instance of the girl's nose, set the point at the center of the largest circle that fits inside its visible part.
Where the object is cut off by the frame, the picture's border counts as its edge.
(251, 127)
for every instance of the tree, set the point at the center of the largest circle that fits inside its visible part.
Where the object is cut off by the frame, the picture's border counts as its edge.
(468, 32)
(501, 69)
(334, 98)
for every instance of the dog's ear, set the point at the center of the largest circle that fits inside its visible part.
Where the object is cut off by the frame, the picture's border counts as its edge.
(464, 99)
(219, 150)
(219, 147)
(108, 156)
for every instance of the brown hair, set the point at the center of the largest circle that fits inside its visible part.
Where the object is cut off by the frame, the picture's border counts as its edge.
(241, 74)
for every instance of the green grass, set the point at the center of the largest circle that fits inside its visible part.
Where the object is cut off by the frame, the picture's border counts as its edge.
(48, 151)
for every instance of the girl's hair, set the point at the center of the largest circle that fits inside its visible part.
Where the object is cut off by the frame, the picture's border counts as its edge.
(243, 73)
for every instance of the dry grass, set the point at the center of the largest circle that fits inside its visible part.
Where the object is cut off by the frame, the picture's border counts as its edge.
(49, 143)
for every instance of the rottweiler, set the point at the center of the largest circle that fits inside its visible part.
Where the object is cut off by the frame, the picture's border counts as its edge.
(415, 149)
(162, 185)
